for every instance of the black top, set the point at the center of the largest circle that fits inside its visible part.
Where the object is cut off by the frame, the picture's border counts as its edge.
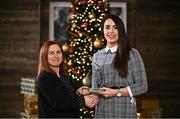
(56, 97)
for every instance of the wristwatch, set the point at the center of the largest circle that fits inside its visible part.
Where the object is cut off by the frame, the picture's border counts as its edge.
(119, 93)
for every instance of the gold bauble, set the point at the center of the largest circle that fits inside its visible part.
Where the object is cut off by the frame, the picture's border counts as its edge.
(87, 80)
(98, 43)
(91, 16)
(65, 47)
(70, 63)
(73, 25)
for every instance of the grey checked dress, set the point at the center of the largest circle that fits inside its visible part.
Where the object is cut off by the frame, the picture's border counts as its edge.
(104, 75)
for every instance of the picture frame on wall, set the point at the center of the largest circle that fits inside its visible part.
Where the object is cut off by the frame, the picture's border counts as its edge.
(119, 9)
(59, 15)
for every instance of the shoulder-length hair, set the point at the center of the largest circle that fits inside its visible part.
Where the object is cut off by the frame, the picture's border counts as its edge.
(43, 58)
(121, 58)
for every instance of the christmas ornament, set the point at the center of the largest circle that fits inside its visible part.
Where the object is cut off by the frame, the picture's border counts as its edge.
(98, 43)
(65, 47)
(73, 25)
(80, 1)
(91, 16)
(74, 34)
(95, 1)
(71, 50)
(72, 10)
(84, 25)
(87, 80)
(70, 63)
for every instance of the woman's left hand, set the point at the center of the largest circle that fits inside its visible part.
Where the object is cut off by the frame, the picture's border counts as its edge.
(108, 92)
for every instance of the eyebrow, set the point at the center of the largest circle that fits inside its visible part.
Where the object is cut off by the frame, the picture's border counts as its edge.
(55, 51)
(110, 25)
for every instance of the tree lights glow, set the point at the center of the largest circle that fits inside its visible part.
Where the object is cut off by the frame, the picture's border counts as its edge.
(84, 37)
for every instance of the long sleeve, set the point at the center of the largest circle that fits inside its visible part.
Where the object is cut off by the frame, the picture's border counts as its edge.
(140, 84)
(81, 101)
(72, 90)
(54, 93)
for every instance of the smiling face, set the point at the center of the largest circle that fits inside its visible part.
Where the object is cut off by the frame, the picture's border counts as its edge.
(55, 56)
(110, 32)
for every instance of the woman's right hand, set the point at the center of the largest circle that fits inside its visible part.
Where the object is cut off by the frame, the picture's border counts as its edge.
(91, 100)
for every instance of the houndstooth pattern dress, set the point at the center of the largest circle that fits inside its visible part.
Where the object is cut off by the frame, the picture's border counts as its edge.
(104, 75)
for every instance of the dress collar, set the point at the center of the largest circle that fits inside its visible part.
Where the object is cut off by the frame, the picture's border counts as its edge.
(113, 49)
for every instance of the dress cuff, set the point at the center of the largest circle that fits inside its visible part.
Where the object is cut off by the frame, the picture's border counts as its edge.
(129, 91)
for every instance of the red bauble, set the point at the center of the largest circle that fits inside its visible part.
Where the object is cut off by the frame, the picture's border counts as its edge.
(72, 10)
(71, 50)
(81, 1)
(95, 1)
(84, 25)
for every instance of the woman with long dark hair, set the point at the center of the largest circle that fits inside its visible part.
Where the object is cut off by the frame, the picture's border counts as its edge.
(118, 71)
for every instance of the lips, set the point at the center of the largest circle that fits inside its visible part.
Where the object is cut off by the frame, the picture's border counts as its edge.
(111, 36)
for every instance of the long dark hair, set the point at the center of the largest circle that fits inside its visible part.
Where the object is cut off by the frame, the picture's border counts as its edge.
(121, 58)
(43, 61)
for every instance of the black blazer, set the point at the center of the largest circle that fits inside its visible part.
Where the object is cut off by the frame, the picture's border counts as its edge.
(56, 98)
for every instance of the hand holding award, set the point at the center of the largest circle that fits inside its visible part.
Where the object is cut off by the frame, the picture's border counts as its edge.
(97, 78)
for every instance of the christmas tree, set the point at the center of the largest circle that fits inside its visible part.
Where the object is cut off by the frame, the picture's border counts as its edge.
(84, 40)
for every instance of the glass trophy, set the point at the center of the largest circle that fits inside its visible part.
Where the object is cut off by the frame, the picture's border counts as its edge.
(96, 77)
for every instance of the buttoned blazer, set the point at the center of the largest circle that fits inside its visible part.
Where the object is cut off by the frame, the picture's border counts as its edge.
(54, 99)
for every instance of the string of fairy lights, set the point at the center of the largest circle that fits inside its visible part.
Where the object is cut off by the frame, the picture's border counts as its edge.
(85, 36)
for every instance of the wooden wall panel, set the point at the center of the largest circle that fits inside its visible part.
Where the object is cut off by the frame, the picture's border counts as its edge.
(158, 40)
(19, 47)
(152, 26)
